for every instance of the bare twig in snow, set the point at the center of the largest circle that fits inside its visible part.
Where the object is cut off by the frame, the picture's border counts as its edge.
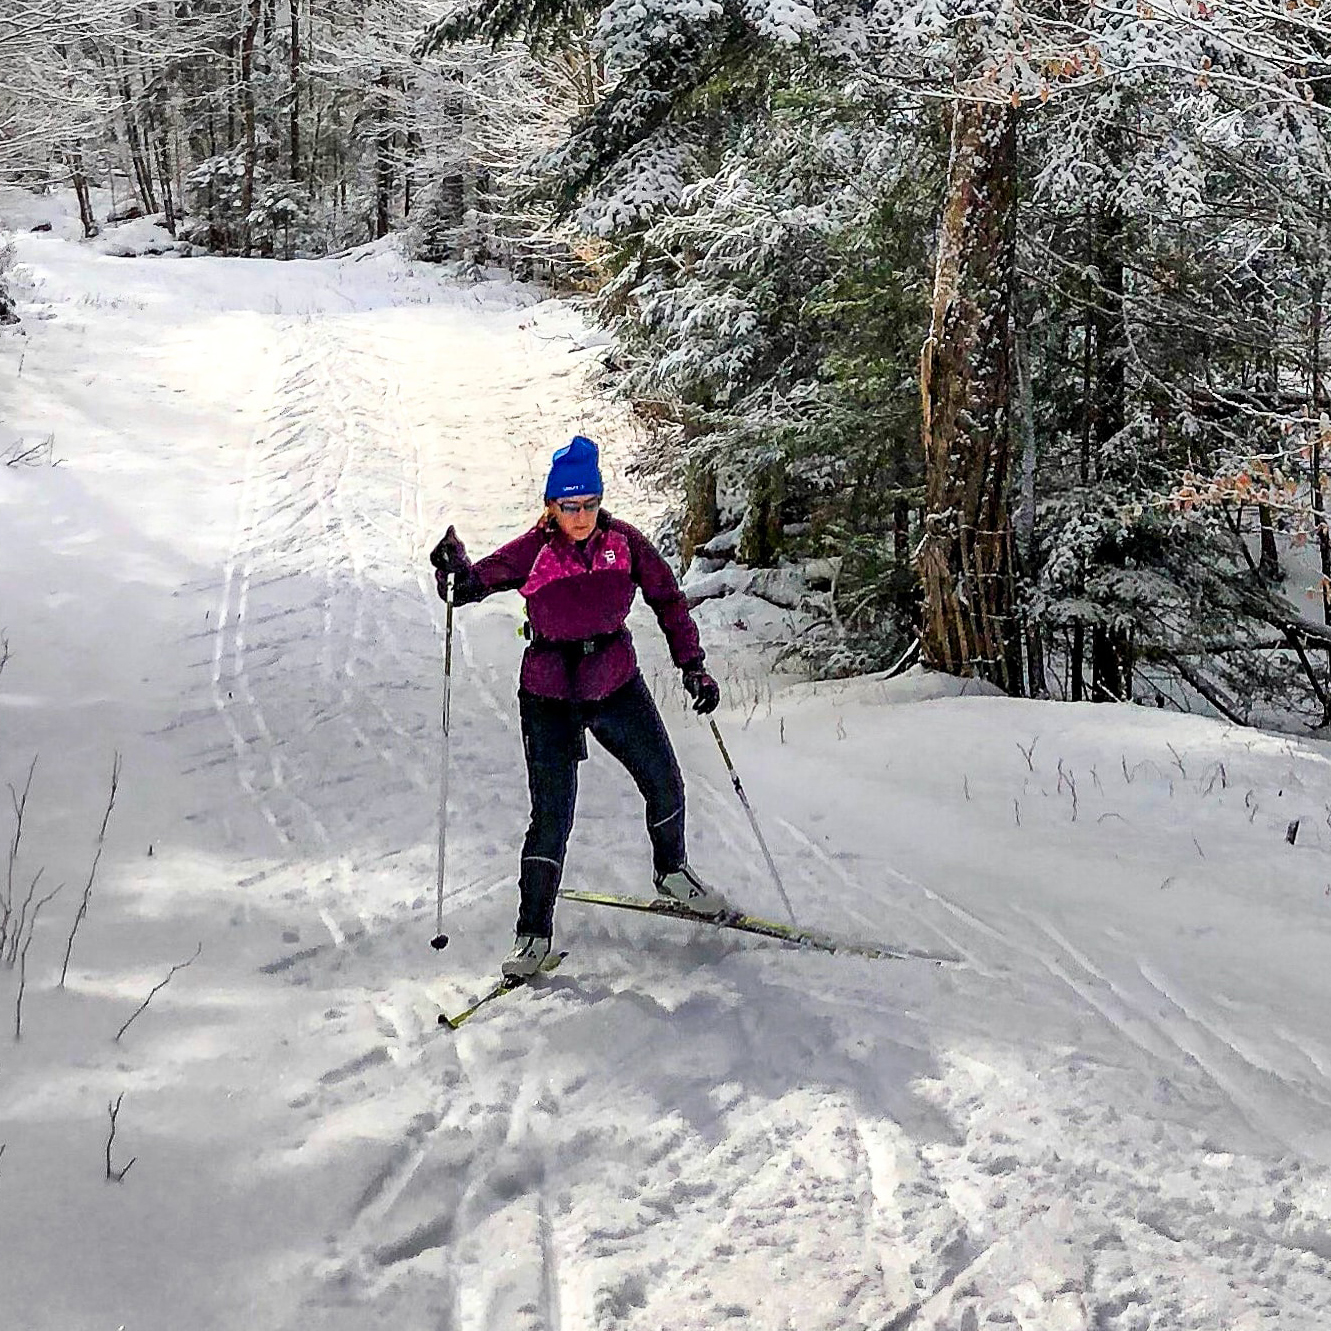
(152, 993)
(1016, 810)
(1292, 832)
(23, 922)
(23, 962)
(1178, 762)
(92, 874)
(1127, 776)
(1028, 754)
(1198, 844)
(115, 1175)
(4, 653)
(966, 787)
(20, 804)
(1067, 777)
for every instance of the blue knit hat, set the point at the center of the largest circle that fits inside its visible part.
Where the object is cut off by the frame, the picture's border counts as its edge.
(574, 470)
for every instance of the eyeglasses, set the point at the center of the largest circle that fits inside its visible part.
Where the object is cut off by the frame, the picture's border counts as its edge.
(574, 506)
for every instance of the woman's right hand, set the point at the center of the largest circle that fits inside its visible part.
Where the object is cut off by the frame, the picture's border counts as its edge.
(450, 555)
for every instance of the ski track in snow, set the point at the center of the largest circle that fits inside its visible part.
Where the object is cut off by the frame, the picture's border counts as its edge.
(680, 1128)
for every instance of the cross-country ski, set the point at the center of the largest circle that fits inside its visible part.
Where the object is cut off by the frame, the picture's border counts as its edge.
(794, 934)
(507, 985)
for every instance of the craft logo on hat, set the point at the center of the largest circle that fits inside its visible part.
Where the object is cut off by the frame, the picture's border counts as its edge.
(575, 470)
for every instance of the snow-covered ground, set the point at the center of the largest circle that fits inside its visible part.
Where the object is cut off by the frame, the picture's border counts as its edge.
(1115, 1114)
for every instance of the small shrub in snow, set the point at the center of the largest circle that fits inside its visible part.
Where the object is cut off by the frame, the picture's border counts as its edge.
(8, 304)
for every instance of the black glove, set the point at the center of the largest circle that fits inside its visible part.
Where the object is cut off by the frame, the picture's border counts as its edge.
(449, 556)
(703, 689)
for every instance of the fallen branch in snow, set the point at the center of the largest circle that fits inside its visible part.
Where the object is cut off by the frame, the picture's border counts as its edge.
(92, 874)
(32, 455)
(4, 653)
(152, 993)
(115, 1175)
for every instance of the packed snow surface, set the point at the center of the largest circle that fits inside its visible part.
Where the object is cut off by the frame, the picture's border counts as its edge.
(1113, 1112)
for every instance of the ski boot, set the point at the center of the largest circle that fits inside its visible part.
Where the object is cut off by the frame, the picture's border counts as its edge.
(529, 951)
(685, 888)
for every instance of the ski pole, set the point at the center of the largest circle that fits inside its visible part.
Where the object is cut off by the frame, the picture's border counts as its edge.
(440, 939)
(753, 822)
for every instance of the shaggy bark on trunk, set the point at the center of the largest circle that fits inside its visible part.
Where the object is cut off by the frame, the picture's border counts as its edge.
(966, 558)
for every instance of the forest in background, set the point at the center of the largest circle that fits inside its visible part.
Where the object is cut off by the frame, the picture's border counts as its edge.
(1008, 318)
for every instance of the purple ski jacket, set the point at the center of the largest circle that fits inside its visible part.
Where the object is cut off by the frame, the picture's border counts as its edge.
(578, 598)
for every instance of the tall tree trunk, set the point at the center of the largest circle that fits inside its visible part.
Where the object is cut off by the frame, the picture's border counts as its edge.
(82, 193)
(293, 116)
(413, 152)
(1317, 404)
(1269, 561)
(701, 514)
(1028, 554)
(901, 531)
(253, 11)
(383, 159)
(971, 626)
(1111, 664)
(762, 537)
(164, 176)
(1111, 644)
(134, 138)
(1317, 462)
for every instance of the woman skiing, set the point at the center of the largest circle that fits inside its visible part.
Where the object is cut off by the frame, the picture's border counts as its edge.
(579, 570)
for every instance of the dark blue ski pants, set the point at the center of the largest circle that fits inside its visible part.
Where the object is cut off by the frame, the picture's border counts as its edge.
(629, 727)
